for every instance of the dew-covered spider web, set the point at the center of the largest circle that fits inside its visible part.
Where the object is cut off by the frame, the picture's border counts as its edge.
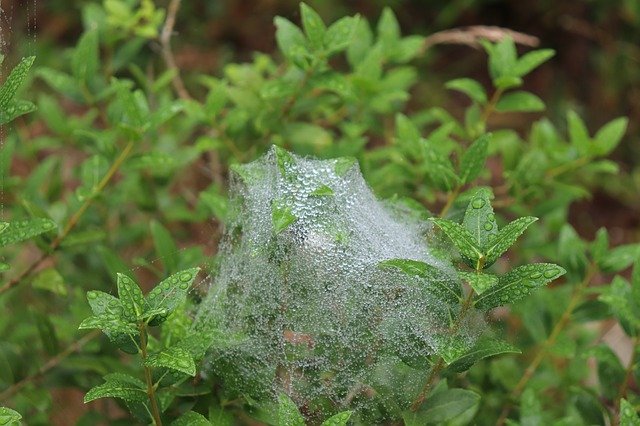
(319, 318)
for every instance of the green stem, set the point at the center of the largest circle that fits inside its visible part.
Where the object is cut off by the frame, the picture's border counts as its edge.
(622, 391)
(151, 390)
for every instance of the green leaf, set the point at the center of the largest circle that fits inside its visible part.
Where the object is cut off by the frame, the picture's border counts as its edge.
(529, 61)
(120, 386)
(484, 348)
(463, 240)
(281, 217)
(360, 44)
(388, 30)
(442, 406)
(165, 247)
(502, 57)
(520, 101)
(191, 418)
(619, 295)
(109, 323)
(9, 417)
(479, 282)
(25, 229)
(439, 168)
(104, 303)
(340, 419)
(517, 284)
(618, 258)
(469, 87)
(131, 298)
(288, 414)
(85, 58)
(322, 191)
(313, 26)
(14, 81)
(340, 34)
(169, 294)
(175, 358)
(438, 283)
(609, 136)
(291, 41)
(15, 109)
(628, 414)
(578, 133)
(610, 370)
(506, 237)
(480, 220)
(50, 279)
(284, 161)
(473, 159)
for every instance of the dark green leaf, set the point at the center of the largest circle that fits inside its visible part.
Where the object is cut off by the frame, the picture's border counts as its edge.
(480, 220)
(288, 414)
(50, 279)
(442, 406)
(438, 283)
(14, 81)
(618, 258)
(473, 159)
(463, 240)
(281, 217)
(469, 87)
(111, 323)
(24, 229)
(485, 347)
(520, 102)
(175, 358)
(131, 298)
(191, 418)
(517, 284)
(479, 282)
(85, 58)
(340, 419)
(169, 294)
(165, 246)
(118, 386)
(505, 238)
(610, 369)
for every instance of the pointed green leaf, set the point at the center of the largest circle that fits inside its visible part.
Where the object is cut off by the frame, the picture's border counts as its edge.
(9, 417)
(502, 57)
(111, 323)
(281, 217)
(175, 358)
(473, 159)
(284, 161)
(131, 298)
(619, 295)
(463, 240)
(628, 414)
(291, 41)
(15, 80)
(169, 294)
(343, 165)
(24, 229)
(480, 220)
(578, 133)
(191, 418)
(340, 34)
(323, 191)
(165, 247)
(118, 386)
(469, 87)
(506, 237)
(288, 414)
(610, 370)
(313, 26)
(609, 136)
(619, 258)
(520, 101)
(85, 58)
(104, 303)
(529, 61)
(517, 284)
(50, 279)
(340, 419)
(438, 283)
(15, 109)
(484, 348)
(439, 168)
(479, 282)
(442, 406)
(388, 30)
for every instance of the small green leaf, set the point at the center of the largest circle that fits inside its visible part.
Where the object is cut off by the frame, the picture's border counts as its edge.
(340, 419)
(520, 102)
(191, 418)
(24, 229)
(288, 414)
(388, 30)
(619, 258)
(169, 294)
(340, 34)
(291, 41)
(480, 220)
(85, 58)
(442, 406)
(609, 136)
(484, 348)
(15, 109)
(628, 414)
(15, 80)
(439, 168)
(473, 159)
(469, 87)
(438, 283)
(131, 298)
(463, 240)
(313, 26)
(284, 161)
(502, 57)
(9, 417)
(619, 295)
(343, 164)
(118, 386)
(506, 237)
(175, 358)
(479, 282)
(529, 61)
(322, 191)
(50, 279)
(109, 323)
(165, 247)
(281, 217)
(578, 133)
(517, 284)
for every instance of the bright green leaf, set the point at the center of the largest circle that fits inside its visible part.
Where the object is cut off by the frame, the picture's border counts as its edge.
(480, 220)
(175, 358)
(117, 386)
(469, 87)
(9, 417)
(609, 136)
(170, 294)
(628, 414)
(131, 298)
(313, 26)
(14, 81)
(191, 418)
(288, 414)
(473, 159)
(85, 58)
(479, 282)
(578, 133)
(462, 239)
(442, 406)
(25, 229)
(281, 217)
(50, 279)
(340, 419)
(340, 34)
(438, 283)
(322, 191)
(291, 40)
(520, 102)
(532, 60)
(505, 238)
(484, 348)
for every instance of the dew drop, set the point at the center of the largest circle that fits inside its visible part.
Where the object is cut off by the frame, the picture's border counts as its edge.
(488, 226)
(535, 275)
(92, 295)
(185, 277)
(550, 273)
(478, 203)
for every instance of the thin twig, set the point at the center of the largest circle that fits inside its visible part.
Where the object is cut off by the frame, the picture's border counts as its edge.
(622, 390)
(471, 36)
(167, 53)
(576, 298)
(73, 221)
(50, 364)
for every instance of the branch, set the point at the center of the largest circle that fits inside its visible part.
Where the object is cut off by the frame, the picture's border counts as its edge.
(472, 35)
(167, 54)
